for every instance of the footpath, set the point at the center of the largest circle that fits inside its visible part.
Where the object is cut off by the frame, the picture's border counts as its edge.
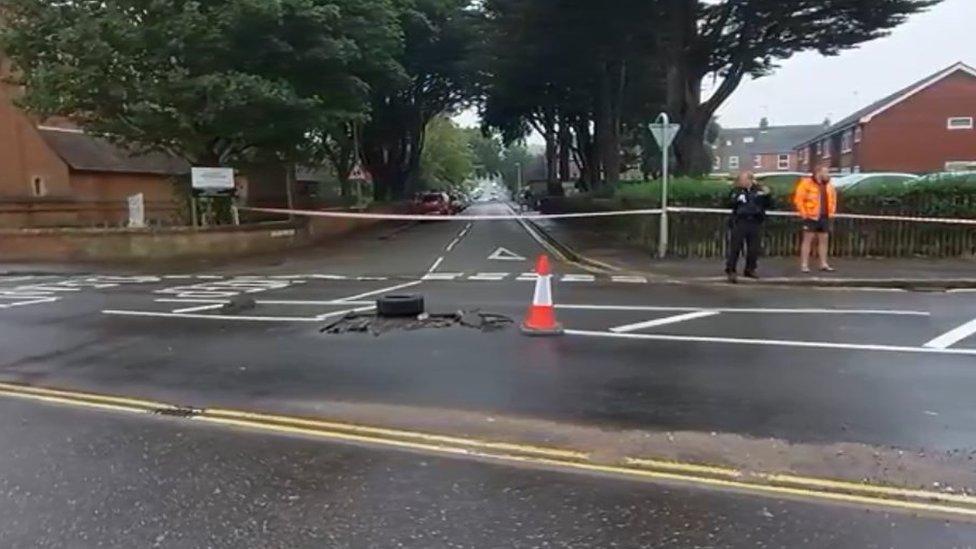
(585, 243)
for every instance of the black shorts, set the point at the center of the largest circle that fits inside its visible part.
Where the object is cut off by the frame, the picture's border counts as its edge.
(817, 225)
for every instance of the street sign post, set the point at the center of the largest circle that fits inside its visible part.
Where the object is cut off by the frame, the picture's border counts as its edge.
(209, 182)
(137, 211)
(664, 133)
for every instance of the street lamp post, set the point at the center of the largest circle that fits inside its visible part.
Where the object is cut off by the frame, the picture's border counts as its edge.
(518, 178)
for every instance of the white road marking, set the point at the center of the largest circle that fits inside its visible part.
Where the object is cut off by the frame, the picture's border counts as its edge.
(288, 277)
(629, 279)
(491, 277)
(372, 278)
(345, 312)
(17, 279)
(880, 312)
(199, 308)
(267, 302)
(578, 278)
(177, 277)
(328, 277)
(441, 276)
(662, 321)
(504, 254)
(777, 343)
(435, 265)
(381, 291)
(455, 242)
(209, 277)
(29, 302)
(211, 317)
(953, 336)
(962, 291)
(527, 277)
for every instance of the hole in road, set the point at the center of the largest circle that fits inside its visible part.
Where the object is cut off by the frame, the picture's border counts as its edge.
(379, 325)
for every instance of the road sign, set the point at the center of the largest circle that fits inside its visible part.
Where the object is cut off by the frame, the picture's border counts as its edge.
(213, 180)
(137, 210)
(665, 138)
(502, 254)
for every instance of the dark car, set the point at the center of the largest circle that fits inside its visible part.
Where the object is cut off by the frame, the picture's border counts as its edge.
(433, 203)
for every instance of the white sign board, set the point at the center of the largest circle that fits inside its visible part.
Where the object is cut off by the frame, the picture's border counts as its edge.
(665, 132)
(213, 179)
(137, 211)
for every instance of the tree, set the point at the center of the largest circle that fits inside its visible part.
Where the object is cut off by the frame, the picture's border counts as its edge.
(487, 150)
(732, 39)
(213, 82)
(438, 41)
(447, 159)
(515, 160)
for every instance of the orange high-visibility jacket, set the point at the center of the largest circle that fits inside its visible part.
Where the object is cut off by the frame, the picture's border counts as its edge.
(806, 199)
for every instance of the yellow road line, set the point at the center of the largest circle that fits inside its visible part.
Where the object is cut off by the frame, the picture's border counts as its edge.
(394, 433)
(79, 395)
(794, 486)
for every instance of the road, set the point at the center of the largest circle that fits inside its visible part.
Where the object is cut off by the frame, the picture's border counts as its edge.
(825, 383)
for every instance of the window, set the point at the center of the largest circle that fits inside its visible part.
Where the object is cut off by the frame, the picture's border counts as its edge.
(847, 141)
(748, 139)
(757, 161)
(857, 134)
(960, 123)
(717, 163)
(825, 145)
(819, 148)
(728, 142)
(857, 169)
(733, 162)
(783, 162)
(38, 188)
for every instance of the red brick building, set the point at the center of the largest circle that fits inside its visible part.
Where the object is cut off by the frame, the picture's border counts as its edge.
(925, 127)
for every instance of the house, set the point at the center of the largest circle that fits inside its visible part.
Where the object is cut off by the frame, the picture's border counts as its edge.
(761, 149)
(56, 175)
(925, 127)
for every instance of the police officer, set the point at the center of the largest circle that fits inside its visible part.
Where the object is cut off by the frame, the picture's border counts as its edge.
(749, 202)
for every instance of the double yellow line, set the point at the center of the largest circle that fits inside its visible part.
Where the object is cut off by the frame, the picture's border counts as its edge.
(951, 505)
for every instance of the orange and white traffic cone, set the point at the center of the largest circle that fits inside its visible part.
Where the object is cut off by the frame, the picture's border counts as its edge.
(541, 319)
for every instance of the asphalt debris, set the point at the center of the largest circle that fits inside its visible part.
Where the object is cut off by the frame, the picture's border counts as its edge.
(377, 325)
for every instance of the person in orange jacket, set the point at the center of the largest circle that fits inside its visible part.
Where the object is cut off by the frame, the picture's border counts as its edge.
(815, 200)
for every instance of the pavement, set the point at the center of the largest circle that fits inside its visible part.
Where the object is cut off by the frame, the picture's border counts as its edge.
(748, 382)
(588, 242)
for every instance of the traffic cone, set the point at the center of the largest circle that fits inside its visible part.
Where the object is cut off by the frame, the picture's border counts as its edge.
(541, 318)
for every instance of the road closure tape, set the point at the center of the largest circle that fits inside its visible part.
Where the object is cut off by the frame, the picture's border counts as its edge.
(863, 217)
(615, 213)
(414, 217)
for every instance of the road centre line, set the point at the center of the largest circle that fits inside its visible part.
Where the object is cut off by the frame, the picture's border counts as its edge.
(441, 276)
(578, 278)
(879, 312)
(629, 279)
(436, 264)
(645, 469)
(662, 321)
(455, 242)
(381, 291)
(210, 317)
(492, 277)
(199, 308)
(953, 336)
(776, 343)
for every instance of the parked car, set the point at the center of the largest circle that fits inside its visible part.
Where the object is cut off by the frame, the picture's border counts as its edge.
(865, 181)
(459, 202)
(433, 203)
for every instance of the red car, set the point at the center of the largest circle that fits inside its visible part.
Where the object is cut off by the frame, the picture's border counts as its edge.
(434, 203)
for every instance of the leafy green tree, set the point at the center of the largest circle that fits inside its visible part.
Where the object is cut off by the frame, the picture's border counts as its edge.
(487, 150)
(437, 58)
(447, 160)
(213, 82)
(732, 39)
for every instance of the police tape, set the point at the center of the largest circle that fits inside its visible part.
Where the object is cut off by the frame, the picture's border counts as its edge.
(582, 215)
(460, 217)
(860, 217)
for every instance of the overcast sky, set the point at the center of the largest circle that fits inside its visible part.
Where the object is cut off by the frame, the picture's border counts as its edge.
(809, 87)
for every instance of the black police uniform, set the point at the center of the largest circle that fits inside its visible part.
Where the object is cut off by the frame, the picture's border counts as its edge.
(745, 226)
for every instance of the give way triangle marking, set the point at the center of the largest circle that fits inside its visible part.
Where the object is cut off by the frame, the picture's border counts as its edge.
(503, 254)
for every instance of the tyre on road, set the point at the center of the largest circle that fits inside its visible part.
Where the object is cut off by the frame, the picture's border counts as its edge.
(400, 305)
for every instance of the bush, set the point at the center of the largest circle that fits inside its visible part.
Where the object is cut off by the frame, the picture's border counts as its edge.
(682, 191)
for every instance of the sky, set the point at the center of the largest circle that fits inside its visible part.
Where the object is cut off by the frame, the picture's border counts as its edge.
(809, 87)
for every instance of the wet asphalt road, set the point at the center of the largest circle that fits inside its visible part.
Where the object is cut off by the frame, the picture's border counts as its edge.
(274, 358)
(79, 478)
